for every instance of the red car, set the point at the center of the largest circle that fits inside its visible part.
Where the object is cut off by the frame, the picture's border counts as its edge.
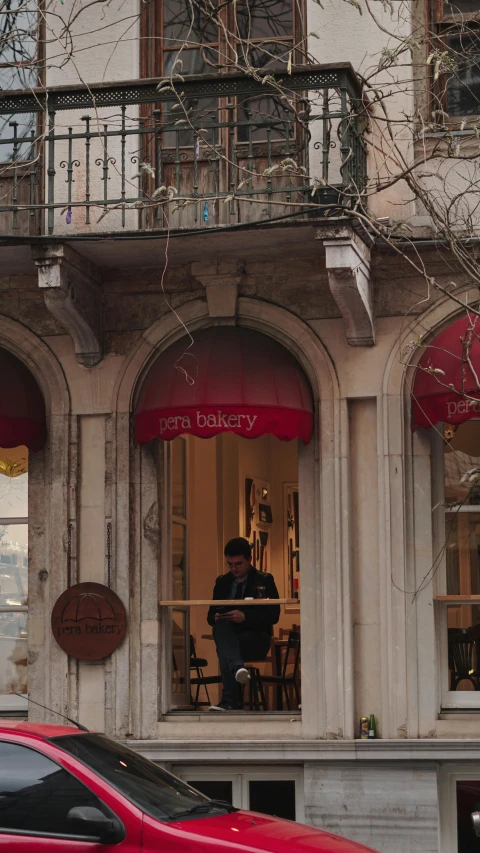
(63, 790)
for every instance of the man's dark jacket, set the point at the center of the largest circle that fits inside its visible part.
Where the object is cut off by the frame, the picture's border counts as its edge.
(258, 618)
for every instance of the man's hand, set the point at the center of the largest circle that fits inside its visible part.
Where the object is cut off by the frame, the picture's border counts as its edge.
(236, 616)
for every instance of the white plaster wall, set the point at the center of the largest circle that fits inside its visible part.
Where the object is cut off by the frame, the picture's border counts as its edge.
(104, 47)
(451, 186)
(105, 38)
(339, 33)
(110, 118)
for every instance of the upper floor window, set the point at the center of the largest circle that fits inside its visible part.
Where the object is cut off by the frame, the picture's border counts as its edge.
(209, 36)
(19, 69)
(456, 41)
(19, 44)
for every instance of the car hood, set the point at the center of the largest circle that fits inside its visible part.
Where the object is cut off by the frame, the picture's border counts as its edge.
(258, 832)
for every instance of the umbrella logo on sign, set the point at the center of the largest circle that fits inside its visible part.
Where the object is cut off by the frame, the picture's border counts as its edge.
(89, 621)
(88, 605)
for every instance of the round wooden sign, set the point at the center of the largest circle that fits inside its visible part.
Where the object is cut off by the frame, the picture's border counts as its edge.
(89, 621)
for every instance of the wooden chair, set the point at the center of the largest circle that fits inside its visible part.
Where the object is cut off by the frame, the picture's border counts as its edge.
(284, 632)
(462, 658)
(289, 675)
(256, 700)
(200, 680)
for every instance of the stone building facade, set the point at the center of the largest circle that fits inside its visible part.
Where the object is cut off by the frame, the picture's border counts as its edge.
(88, 309)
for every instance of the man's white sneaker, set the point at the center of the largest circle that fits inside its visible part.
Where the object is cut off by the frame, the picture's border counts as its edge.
(242, 675)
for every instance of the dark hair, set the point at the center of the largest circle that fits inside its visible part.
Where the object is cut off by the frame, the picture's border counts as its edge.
(238, 547)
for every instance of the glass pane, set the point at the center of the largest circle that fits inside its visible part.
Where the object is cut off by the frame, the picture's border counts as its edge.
(256, 114)
(21, 150)
(462, 453)
(468, 801)
(144, 783)
(216, 790)
(36, 795)
(184, 21)
(179, 561)
(180, 652)
(274, 797)
(264, 19)
(463, 86)
(14, 482)
(461, 7)
(464, 647)
(178, 448)
(270, 55)
(203, 114)
(193, 62)
(18, 44)
(13, 653)
(13, 564)
(462, 534)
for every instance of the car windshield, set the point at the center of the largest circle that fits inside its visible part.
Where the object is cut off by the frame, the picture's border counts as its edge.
(148, 786)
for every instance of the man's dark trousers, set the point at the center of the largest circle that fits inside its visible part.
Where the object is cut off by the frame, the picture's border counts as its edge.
(233, 649)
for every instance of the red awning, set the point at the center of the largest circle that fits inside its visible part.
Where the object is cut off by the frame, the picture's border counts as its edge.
(445, 387)
(231, 379)
(22, 410)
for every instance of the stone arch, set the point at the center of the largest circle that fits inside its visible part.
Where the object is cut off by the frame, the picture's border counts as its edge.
(48, 518)
(426, 325)
(408, 540)
(274, 321)
(328, 654)
(41, 362)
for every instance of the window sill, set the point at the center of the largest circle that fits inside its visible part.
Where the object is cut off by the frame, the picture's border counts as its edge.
(219, 716)
(462, 713)
(11, 704)
(219, 727)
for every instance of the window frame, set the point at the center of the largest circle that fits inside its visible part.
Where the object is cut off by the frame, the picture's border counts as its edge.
(448, 776)
(448, 700)
(152, 62)
(10, 701)
(441, 26)
(240, 776)
(179, 700)
(25, 142)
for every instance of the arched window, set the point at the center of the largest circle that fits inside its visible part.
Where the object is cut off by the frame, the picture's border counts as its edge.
(13, 575)
(22, 431)
(230, 406)
(446, 396)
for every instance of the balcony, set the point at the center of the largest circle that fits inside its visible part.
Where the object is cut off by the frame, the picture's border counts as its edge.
(212, 151)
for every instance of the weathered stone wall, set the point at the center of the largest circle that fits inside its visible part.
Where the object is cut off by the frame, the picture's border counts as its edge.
(392, 807)
(134, 298)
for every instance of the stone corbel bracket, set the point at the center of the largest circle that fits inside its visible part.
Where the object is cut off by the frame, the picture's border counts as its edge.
(347, 261)
(220, 280)
(72, 290)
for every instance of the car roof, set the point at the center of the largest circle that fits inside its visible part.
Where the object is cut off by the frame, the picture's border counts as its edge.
(36, 730)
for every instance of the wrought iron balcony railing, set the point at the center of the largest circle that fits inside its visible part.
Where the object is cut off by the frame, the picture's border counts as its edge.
(204, 152)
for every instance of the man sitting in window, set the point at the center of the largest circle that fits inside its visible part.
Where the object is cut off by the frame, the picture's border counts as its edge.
(241, 633)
